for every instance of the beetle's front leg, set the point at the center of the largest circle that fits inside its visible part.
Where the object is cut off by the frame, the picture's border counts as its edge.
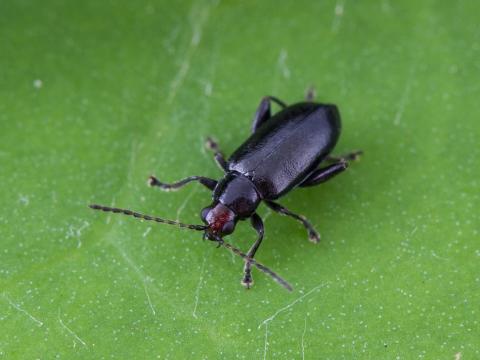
(217, 153)
(207, 182)
(257, 224)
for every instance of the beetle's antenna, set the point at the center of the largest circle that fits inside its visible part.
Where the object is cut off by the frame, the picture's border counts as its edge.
(147, 217)
(258, 265)
(226, 245)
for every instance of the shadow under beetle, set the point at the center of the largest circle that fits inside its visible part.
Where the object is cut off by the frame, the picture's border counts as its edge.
(284, 151)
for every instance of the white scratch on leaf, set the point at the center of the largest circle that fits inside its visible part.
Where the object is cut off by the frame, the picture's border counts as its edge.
(413, 231)
(338, 13)
(109, 216)
(405, 97)
(185, 202)
(338, 9)
(458, 356)
(16, 306)
(77, 232)
(203, 147)
(144, 278)
(37, 83)
(70, 331)
(129, 261)
(171, 40)
(208, 89)
(54, 197)
(133, 156)
(199, 286)
(197, 32)
(178, 80)
(146, 232)
(434, 254)
(148, 299)
(265, 347)
(303, 338)
(278, 312)
(199, 21)
(386, 7)
(282, 64)
(23, 199)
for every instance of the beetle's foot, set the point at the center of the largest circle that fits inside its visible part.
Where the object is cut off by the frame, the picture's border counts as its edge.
(218, 240)
(247, 280)
(153, 181)
(313, 236)
(355, 155)
(211, 144)
(351, 156)
(310, 94)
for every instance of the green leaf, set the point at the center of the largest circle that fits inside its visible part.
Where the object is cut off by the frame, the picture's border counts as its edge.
(97, 95)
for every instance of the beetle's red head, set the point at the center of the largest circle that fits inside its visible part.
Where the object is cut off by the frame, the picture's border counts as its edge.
(220, 220)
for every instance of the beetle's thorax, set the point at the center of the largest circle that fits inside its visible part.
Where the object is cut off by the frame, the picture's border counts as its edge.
(237, 193)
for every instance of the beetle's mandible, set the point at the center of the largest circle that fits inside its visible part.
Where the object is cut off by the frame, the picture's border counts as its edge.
(283, 152)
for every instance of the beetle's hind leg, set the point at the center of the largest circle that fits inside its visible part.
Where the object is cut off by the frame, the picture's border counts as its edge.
(207, 182)
(217, 153)
(313, 235)
(323, 174)
(310, 94)
(263, 112)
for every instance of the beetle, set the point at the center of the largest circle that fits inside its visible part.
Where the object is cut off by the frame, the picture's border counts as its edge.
(284, 151)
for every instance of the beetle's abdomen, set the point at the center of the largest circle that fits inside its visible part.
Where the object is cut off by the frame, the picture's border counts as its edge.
(287, 147)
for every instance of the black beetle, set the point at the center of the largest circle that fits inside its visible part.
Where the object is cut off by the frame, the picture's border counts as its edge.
(283, 152)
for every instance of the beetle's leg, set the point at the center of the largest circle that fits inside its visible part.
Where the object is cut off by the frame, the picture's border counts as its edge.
(219, 157)
(352, 156)
(257, 224)
(207, 182)
(312, 233)
(323, 174)
(262, 114)
(263, 111)
(310, 94)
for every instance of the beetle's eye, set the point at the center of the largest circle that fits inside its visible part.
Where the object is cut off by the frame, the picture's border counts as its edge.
(204, 213)
(228, 227)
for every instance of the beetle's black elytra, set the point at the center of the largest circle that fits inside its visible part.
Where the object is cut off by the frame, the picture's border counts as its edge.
(285, 151)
